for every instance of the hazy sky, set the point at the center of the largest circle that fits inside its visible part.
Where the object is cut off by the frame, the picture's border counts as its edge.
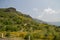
(47, 10)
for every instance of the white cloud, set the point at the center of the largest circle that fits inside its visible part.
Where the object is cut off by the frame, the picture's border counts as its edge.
(49, 11)
(49, 15)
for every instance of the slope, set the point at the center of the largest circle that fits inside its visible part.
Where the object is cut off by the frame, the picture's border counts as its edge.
(17, 24)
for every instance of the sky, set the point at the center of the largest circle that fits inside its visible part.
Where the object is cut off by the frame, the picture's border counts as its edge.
(46, 10)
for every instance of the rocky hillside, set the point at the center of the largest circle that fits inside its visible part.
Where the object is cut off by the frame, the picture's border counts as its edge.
(17, 24)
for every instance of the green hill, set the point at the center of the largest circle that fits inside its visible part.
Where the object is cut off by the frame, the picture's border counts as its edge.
(17, 24)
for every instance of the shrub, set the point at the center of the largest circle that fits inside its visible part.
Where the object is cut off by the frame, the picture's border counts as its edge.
(7, 34)
(28, 37)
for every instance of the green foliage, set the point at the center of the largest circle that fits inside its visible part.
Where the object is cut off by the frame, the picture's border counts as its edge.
(11, 28)
(28, 36)
(7, 34)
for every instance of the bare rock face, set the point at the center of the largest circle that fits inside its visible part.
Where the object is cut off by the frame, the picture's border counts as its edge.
(10, 9)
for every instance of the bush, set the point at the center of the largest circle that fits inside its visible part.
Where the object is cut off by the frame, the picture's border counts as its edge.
(11, 28)
(7, 34)
(28, 36)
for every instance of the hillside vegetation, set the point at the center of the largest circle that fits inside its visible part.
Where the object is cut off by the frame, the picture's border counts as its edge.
(17, 24)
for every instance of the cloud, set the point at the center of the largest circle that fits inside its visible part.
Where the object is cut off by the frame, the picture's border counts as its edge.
(45, 12)
(49, 15)
(49, 11)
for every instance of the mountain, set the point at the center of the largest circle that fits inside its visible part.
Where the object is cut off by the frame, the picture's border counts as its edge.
(51, 23)
(55, 23)
(17, 24)
(39, 21)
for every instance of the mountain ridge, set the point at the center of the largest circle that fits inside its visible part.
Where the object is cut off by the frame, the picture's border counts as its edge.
(55, 23)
